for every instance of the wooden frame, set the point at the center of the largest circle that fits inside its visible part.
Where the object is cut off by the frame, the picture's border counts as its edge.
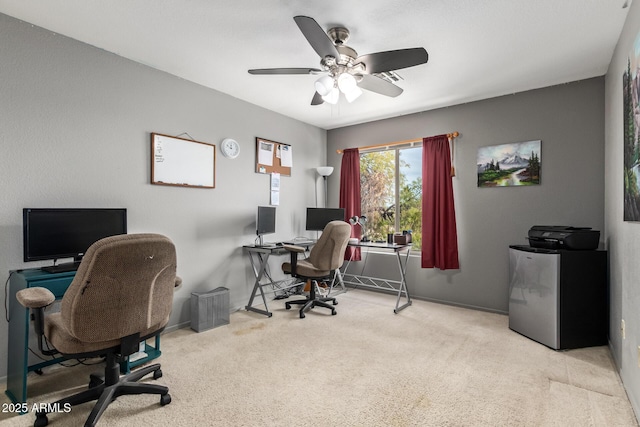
(273, 156)
(182, 162)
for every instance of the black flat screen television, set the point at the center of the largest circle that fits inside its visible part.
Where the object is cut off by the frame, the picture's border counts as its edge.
(318, 218)
(265, 221)
(67, 233)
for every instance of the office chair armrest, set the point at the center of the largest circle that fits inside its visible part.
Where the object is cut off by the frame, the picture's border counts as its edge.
(35, 297)
(294, 251)
(294, 248)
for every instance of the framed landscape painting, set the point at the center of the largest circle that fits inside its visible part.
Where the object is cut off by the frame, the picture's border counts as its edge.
(508, 165)
(631, 123)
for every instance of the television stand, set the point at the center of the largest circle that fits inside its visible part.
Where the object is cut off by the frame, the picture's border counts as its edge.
(62, 268)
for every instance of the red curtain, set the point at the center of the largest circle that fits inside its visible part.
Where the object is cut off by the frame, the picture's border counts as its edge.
(439, 236)
(350, 194)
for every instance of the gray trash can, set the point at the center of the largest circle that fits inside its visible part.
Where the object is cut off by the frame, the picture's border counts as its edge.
(209, 309)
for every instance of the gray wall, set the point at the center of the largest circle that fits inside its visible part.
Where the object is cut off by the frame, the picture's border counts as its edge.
(569, 119)
(623, 238)
(75, 125)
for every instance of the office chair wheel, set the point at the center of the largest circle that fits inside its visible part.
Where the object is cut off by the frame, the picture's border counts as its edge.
(287, 306)
(165, 399)
(301, 315)
(158, 374)
(41, 420)
(333, 312)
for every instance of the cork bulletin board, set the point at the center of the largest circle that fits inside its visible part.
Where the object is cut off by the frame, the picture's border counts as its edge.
(273, 157)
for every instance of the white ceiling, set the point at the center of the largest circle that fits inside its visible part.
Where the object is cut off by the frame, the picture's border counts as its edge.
(477, 48)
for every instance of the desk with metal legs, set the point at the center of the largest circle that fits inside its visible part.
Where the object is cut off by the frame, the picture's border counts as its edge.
(259, 257)
(399, 286)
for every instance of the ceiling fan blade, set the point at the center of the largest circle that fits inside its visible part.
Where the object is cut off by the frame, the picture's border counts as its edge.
(393, 60)
(317, 38)
(284, 71)
(317, 99)
(378, 85)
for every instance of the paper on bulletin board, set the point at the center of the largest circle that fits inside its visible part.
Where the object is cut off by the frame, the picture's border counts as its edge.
(286, 156)
(265, 153)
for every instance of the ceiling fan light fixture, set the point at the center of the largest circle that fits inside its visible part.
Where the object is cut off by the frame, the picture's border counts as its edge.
(332, 97)
(353, 94)
(347, 71)
(324, 85)
(347, 83)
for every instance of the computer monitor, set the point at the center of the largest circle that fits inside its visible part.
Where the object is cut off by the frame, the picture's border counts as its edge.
(52, 234)
(318, 218)
(265, 221)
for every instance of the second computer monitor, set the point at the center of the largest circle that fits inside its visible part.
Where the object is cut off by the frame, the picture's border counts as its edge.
(266, 220)
(318, 218)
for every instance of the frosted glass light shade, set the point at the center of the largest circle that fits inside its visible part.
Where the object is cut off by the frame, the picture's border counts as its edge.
(332, 97)
(353, 94)
(324, 170)
(324, 85)
(347, 83)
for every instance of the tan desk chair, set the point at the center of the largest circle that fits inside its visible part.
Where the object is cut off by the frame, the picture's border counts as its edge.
(121, 294)
(326, 256)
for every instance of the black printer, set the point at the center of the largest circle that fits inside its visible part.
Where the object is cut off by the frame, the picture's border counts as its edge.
(563, 237)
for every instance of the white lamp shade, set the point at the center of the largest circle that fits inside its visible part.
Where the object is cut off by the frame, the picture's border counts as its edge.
(324, 85)
(353, 94)
(324, 170)
(346, 83)
(332, 97)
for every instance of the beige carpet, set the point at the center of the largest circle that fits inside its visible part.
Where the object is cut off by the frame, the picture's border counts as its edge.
(430, 365)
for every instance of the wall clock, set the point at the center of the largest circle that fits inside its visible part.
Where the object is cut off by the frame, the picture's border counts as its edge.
(230, 148)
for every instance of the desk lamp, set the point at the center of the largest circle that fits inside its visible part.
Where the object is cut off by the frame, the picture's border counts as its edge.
(362, 220)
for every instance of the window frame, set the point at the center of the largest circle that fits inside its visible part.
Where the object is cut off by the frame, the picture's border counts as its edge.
(396, 149)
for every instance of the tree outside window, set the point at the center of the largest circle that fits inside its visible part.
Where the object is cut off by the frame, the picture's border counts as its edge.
(391, 192)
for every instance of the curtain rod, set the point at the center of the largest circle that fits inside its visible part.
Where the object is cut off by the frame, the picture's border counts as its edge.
(391, 144)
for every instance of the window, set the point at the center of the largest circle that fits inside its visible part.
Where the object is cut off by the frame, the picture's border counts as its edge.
(391, 190)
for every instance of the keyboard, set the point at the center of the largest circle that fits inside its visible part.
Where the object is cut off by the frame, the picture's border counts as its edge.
(300, 242)
(61, 268)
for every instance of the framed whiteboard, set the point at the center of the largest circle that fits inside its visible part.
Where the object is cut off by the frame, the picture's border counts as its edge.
(182, 162)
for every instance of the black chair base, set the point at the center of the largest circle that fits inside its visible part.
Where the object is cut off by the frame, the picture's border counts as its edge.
(107, 391)
(313, 301)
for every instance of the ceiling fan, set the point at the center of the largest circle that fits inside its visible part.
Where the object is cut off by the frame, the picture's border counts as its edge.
(343, 70)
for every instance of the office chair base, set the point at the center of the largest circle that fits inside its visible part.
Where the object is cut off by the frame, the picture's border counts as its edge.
(105, 393)
(308, 304)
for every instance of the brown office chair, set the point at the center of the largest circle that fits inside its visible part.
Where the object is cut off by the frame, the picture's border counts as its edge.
(326, 256)
(121, 294)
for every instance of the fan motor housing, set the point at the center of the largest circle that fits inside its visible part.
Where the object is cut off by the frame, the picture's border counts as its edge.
(339, 35)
